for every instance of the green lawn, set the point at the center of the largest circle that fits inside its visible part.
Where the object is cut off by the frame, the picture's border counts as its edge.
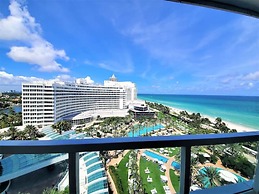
(120, 175)
(175, 179)
(122, 171)
(154, 174)
(174, 151)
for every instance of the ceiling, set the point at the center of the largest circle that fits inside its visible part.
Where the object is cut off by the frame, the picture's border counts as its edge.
(246, 7)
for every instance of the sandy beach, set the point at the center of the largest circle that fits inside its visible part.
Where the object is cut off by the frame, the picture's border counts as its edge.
(239, 128)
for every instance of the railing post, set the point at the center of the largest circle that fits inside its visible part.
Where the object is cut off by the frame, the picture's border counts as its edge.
(256, 177)
(73, 160)
(185, 170)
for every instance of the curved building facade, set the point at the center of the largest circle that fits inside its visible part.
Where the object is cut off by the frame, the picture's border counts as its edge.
(46, 102)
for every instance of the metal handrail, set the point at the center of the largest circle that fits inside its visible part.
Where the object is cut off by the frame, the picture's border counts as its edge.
(97, 144)
(74, 146)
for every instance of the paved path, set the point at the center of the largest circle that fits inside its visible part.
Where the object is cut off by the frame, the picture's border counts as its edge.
(167, 174)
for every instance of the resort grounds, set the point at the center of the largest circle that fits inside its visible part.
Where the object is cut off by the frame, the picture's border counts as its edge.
(158, 170)
(157, 174)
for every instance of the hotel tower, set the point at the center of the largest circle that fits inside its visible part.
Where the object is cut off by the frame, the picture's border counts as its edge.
(46, 102)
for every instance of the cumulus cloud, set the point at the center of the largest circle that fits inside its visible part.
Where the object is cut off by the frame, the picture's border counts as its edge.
(43, 54)
(86, 80)
(10, 79)
(21, 27)
(89, 80)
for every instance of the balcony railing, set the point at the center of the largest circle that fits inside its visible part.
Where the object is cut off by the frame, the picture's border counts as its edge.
(73, 147)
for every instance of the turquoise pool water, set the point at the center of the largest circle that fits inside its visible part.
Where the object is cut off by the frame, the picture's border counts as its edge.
(156, 156)
(176, 165)
(206, 180)
(143, 130)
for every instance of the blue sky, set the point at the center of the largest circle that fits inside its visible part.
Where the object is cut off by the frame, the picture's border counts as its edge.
(163, 47)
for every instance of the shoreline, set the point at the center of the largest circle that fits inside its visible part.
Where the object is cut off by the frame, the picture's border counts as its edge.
(231, 125)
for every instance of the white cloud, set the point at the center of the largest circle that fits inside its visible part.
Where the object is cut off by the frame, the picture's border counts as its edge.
(89, 80)
(252, 76)
(44, 55)
(64, 77)
(10, 79)
(21, 26)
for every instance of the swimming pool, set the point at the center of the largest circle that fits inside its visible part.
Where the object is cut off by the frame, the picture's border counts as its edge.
(143, 130)
(224, 174)
(176, 165)
(156, 156)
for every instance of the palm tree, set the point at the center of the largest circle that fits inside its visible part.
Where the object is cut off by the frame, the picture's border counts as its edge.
(194, 161)
(54, 191)
(209, 177)
(218, 121)
(31, 131)
(12, 132)
(62, 126)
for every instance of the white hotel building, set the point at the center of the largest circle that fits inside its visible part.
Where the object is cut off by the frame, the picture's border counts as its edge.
(46, 102)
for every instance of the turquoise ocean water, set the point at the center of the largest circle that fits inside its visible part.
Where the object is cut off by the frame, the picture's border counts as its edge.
(242, 110)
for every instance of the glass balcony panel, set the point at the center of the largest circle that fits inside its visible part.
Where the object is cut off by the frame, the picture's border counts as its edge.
(32, 173)
(145, 170)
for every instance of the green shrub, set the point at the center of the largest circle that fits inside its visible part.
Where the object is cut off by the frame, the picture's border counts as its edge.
(116, 179)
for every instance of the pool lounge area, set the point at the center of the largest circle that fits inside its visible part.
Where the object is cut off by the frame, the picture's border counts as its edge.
(143, 130)
(156, 156)
(224, 174)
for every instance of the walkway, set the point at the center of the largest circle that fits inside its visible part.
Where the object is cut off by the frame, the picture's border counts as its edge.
(167, 174)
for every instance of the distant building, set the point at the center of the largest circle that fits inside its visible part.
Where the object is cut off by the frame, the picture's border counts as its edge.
(129, 87)
(141, 110)
(46, 102)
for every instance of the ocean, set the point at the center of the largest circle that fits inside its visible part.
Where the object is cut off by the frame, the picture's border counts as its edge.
(241, 110)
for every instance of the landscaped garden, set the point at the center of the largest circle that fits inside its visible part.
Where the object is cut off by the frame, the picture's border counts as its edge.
(120, 175)
(153, 176)
(175, 179)
(169, 152)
